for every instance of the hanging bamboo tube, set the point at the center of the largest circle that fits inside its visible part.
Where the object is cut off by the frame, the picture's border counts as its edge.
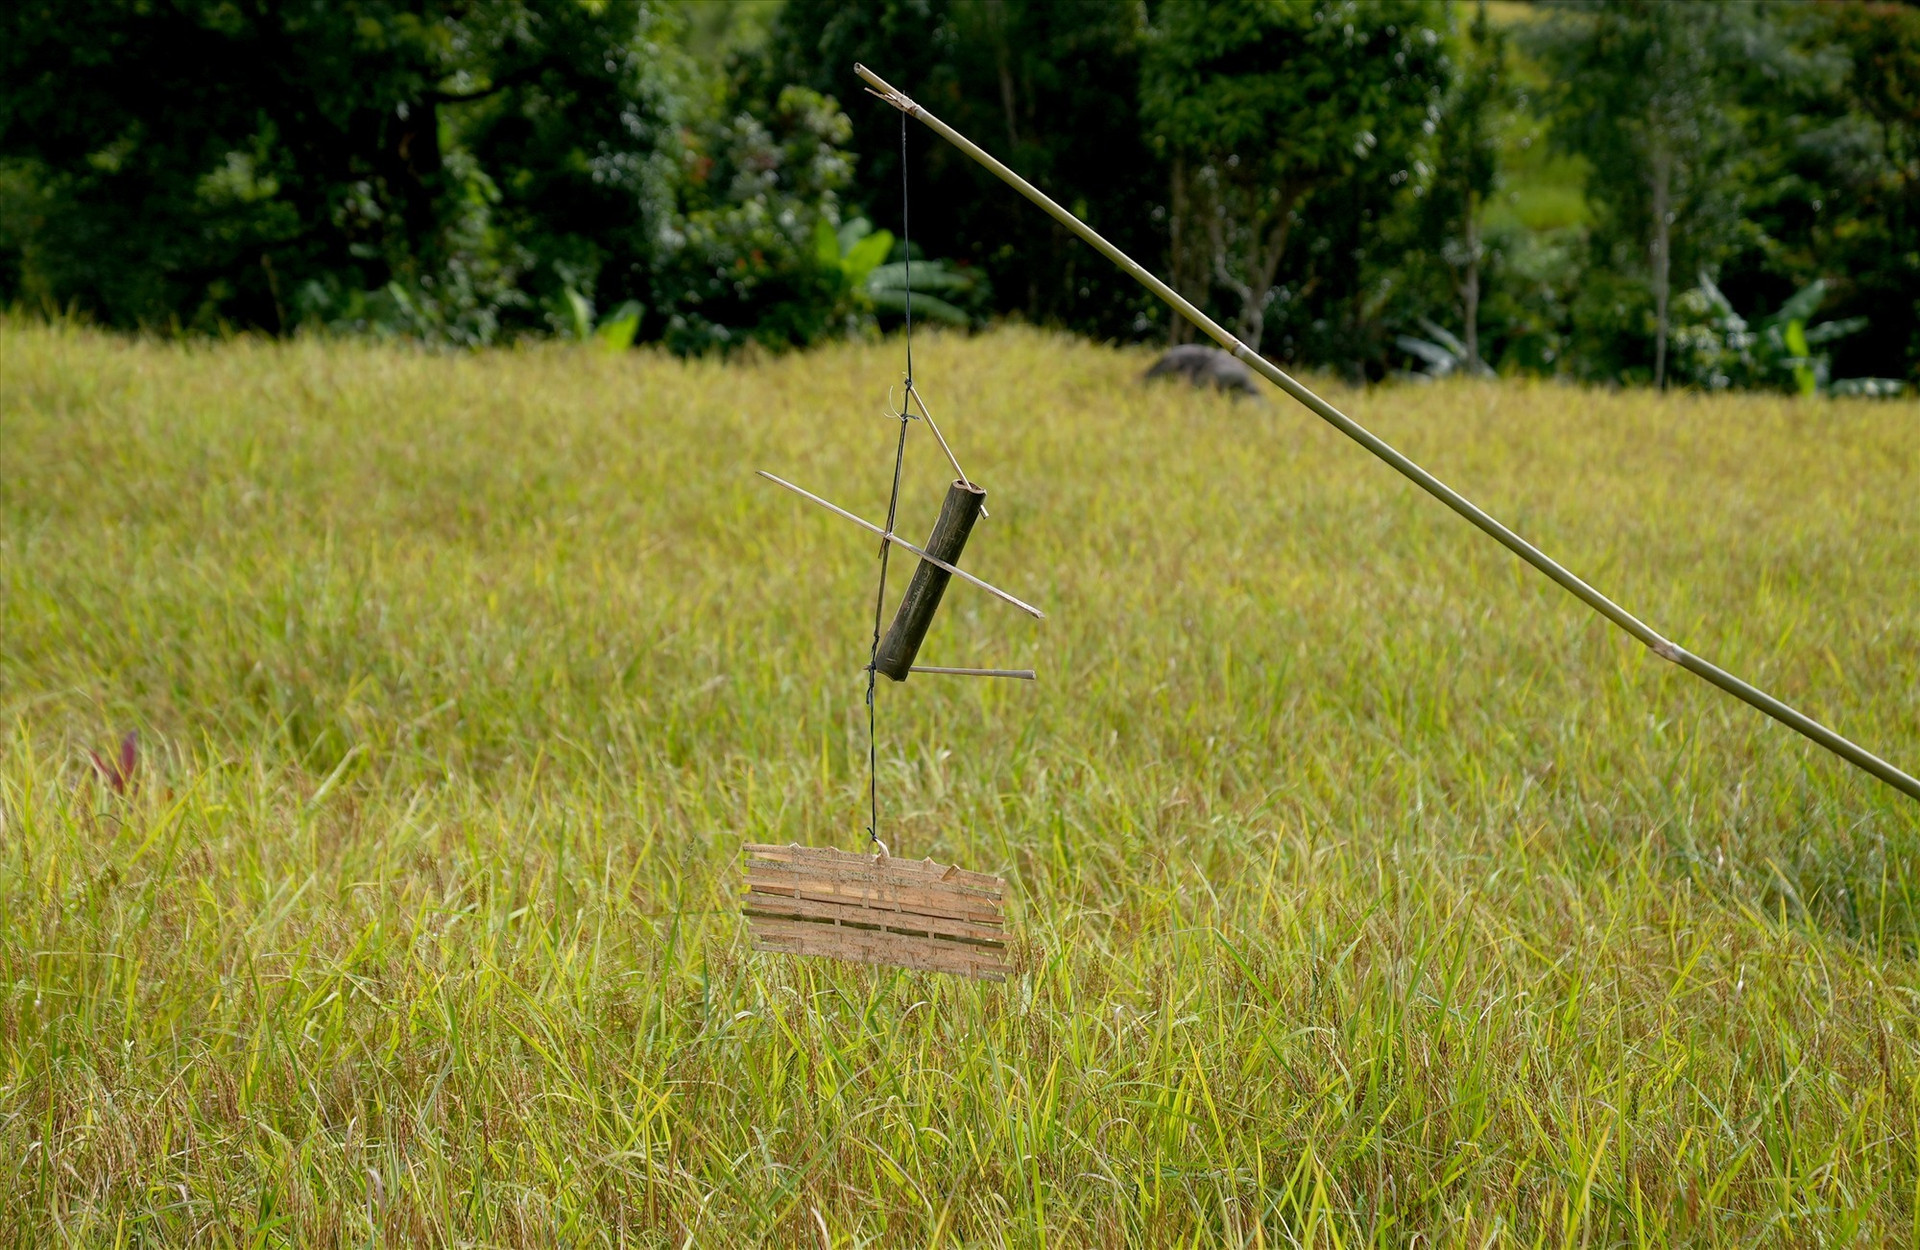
(909, 629)
(1798, 721)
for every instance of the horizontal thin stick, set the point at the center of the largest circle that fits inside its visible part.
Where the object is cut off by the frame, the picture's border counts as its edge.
(1024, 674)
(898, 541)
(1606, 607)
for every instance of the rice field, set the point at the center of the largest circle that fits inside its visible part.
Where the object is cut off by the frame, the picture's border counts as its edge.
(1366, 889)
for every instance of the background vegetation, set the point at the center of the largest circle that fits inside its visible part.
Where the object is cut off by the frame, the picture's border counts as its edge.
(1366, 887)
(1621, 191)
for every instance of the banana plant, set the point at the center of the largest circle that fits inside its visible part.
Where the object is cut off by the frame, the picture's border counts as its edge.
(1443, 352)
(616, 330)
(1791, 340)
(857, 251)
(1720, 349)
(853, 251)
(887, 288)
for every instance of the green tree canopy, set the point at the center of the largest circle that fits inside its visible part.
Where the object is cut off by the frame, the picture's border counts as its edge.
(1466, 160)
(1642, 93)
(1260, 105)
(255, 163)
(448, 168)
(1049, 85)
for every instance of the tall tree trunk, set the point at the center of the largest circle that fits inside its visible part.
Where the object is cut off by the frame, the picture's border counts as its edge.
(1662, 258)
(1470, 285)
(997, 18)
(1265, 245)
(1222, 273)
(1181, 243)
(1266, 265)
(273, 289)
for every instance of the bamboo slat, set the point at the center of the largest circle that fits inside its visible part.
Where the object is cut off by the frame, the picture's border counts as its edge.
(902, 870)
(860, 916)
(874, 909)
(878, 897)
(793, 937)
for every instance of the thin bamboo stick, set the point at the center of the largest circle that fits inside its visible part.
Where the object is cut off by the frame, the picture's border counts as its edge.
(1022, 674)
(898, 541)
(1654, 641)
(913, 393)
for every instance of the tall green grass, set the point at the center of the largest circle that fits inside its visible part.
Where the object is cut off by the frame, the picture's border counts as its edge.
(1366, 888)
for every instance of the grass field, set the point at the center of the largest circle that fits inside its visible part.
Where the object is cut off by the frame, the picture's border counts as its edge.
(1367, 889)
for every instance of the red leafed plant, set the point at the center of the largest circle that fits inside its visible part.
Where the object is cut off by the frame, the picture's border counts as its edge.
(118, 773)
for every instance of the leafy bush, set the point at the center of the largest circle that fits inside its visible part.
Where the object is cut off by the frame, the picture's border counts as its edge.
(739, 261)
(1715, 347)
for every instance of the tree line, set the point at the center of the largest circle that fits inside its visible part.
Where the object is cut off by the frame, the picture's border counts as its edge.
(1626, 191)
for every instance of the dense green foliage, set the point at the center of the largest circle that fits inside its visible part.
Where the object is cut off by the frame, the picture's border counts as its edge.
(1594, 188)
(1051, 88)
(451, 170)
(1268, 112)
(269, 165)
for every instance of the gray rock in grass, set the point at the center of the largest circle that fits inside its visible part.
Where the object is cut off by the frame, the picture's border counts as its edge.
(1206, 366)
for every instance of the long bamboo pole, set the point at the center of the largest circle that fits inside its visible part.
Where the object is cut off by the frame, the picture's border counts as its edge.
(1658, 644)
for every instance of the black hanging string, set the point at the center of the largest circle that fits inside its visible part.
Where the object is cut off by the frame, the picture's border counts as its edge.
(893, 507)
(906, 245)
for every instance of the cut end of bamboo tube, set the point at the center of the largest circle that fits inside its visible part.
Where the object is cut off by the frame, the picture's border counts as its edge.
(887, 91)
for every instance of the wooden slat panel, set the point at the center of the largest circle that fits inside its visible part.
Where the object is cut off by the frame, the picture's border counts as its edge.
(818, 901)
(800, 937)
(899, 922)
